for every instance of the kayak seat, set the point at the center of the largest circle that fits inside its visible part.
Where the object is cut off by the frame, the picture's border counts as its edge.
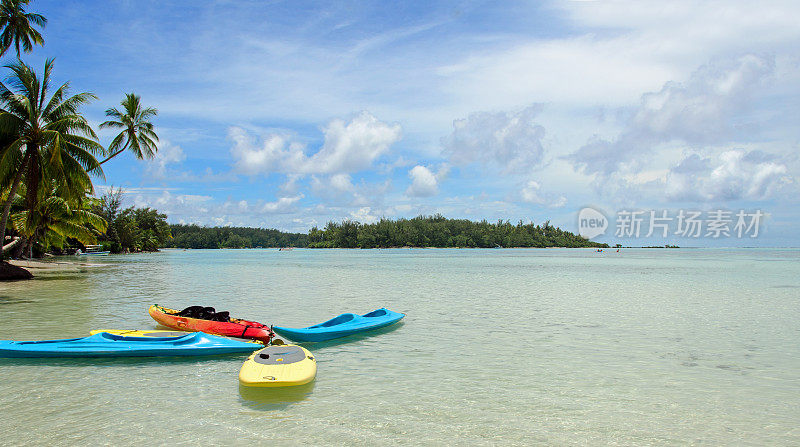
(376, 313)
(343, 318)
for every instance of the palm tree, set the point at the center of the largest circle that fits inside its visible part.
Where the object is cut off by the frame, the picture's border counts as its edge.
(17, 26)
(58, 215)
(51, 138)
(137, 131)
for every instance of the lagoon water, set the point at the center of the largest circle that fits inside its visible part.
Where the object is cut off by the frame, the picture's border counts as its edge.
(499, 347)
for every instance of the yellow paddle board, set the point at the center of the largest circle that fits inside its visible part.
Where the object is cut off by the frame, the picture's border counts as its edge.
(273, 366)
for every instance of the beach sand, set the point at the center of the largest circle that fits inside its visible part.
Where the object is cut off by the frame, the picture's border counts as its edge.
(42, 266)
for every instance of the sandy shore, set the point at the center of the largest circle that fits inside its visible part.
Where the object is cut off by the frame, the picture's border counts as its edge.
(53, 266)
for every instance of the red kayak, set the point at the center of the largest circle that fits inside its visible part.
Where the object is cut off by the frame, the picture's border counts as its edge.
(230, 327)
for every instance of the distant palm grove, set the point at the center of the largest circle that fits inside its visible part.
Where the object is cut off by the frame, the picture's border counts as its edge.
(422, 231)
(438, 231)
(194, 236)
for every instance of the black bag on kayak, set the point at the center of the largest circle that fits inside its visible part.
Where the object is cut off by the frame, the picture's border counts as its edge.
(221, 316)
(207, 313)
(204, 313)
(191, 312)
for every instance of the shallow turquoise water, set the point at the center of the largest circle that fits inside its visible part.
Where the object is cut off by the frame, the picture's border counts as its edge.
(499, 347)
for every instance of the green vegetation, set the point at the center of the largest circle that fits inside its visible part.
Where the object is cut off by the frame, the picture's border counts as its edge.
(48, 156)
(438, 231)
(422, 231)
(50, 147)
(194, 236)
(137, 131)
(17, 27)
(132, 229)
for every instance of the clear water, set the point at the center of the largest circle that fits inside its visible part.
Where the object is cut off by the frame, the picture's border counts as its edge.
(499, 347)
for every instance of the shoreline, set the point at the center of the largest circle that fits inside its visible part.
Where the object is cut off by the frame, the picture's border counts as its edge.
(35, 266)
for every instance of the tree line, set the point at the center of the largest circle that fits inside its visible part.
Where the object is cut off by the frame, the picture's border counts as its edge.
(194, 236)
(441, 232)
(49, 154)
(131, 229)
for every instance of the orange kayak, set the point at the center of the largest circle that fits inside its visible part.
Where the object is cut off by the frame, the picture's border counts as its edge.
(234, 327)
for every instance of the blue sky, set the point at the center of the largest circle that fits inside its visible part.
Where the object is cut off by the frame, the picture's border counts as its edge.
(289, 114)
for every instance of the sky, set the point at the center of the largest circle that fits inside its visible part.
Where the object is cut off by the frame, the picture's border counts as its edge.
(289, 114)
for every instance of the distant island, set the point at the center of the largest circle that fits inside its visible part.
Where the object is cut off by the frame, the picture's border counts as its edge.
(422, 231)
(195, 236)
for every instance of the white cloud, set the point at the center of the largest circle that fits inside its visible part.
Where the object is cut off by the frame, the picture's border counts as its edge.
(167, 154)
(270, 157)
(364, 215)
(282, 205)
(617, 50)
(732, 175)
(700, 111)
(170, 203)
(532, 192)
(340, 190)
(353, 146)
(423, 182)
(510, 140)
(290, 186)
(348, 147)
(341, 183)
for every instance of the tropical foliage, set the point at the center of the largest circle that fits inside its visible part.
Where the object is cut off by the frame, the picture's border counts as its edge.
(48, 156)
(438, 231)
(17, 27)
(131, 229)
(137, 133)
(422, 231)
(55, 218)
(193, 236)
(49, 145)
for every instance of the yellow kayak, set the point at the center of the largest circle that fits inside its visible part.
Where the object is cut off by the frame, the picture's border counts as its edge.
(274, 366)
(141, 333)
(161, 334)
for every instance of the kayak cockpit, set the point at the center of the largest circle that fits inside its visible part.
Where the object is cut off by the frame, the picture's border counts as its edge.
(376, 313)
(341, 319)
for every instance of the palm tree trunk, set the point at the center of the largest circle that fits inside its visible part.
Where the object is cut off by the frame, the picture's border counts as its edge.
(17, 253)
(7, 207)
(116, 153)
(12, 244)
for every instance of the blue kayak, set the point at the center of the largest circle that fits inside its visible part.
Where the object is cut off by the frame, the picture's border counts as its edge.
(342, 326)
(104, 344)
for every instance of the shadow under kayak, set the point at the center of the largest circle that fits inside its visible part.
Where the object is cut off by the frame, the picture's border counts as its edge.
(110, 345)
(342, 326)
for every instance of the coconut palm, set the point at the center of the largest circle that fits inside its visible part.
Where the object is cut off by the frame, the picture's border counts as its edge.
(137, 131)
(51, 138)
(17, 27)
(56, 217)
